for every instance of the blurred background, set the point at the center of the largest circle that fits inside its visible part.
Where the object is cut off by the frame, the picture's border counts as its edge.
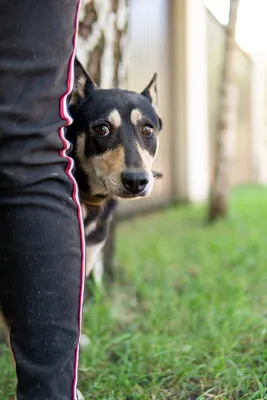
(181, 311)
(184, 41)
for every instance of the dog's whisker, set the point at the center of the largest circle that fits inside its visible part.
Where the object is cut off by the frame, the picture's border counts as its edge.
(157, 175)
(101, 181)
(124, 201)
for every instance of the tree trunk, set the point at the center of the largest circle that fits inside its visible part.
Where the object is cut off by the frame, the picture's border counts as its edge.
(226, 127)
(102, 49)
(102, 41)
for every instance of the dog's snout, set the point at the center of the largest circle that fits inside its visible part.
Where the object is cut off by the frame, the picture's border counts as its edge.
(135, 182)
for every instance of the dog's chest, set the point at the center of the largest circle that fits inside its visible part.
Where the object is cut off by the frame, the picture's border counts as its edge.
(96, 221)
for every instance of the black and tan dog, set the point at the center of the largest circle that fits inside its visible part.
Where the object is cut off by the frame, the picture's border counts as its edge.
(114, 138)
(114, 135)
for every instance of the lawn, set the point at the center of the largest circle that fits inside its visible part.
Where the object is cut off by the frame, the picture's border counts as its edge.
(187, 318)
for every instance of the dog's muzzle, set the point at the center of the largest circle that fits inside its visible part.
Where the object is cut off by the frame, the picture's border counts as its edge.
(135, 182)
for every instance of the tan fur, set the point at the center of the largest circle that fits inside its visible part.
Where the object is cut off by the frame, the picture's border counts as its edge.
(114, 118)
(111, 161)
(136, 116)
(78, 93)
(75, 97)
(104, 172)
(81, 85)
(147, 159)
(84, 211)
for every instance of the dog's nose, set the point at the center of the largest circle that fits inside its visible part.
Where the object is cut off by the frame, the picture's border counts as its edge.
(135, 182)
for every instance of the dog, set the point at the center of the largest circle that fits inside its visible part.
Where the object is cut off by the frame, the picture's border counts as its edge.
(114, 141)
(114, 138)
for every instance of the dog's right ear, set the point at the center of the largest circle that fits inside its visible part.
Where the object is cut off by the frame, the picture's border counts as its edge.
(83, 84)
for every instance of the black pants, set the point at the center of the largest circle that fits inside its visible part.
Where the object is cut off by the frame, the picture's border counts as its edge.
(41, 238)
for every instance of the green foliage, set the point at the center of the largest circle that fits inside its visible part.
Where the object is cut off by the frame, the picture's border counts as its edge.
(186, 319)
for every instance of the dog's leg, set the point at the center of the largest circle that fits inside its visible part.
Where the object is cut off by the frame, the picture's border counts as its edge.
(92, 254)
(98, 269)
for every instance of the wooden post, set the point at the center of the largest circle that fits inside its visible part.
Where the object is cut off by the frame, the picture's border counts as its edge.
(226, 123)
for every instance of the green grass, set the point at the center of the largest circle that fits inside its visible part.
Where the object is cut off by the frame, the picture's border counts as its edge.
(187, 318)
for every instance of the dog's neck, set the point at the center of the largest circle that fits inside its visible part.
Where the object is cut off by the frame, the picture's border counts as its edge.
(94, 201)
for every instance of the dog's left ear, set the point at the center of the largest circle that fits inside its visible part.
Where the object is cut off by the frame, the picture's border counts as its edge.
(83, 84)
(150, 92)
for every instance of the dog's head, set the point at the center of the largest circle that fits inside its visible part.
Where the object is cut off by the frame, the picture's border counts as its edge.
(116, 137)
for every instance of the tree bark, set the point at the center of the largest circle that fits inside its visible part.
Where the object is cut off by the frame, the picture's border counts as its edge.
(102, 49)
(226, 127)
(102, 41)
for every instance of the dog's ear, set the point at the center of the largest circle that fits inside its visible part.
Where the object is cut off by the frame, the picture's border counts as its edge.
(151, 93)
(83, 84)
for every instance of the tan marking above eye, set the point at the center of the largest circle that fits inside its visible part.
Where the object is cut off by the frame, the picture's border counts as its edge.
(136, 116)
(114, 118)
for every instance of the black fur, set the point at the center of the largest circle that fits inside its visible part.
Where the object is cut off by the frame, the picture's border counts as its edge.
(90, 107)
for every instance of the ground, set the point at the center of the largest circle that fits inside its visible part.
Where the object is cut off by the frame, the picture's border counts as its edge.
(187, 318)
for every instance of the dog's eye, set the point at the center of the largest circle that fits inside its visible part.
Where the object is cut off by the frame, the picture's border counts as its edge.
(147, 130)
(102, 130)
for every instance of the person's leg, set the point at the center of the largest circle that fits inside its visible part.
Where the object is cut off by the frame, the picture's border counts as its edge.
(41, 234)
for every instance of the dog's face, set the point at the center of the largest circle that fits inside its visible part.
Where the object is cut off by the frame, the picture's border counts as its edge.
(117, 137)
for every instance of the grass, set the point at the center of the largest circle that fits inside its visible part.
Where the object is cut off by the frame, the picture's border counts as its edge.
(187, 317)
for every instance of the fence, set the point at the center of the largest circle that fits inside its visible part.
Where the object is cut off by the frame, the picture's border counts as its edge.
(149, 52)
